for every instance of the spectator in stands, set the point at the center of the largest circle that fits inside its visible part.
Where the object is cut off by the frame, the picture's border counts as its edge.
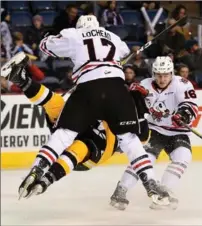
(67, 19)
(171, 55)
(151, 5)
(193, 59)
(3, 53)
(200, 6)
(89, 9)
(138, 61)
(139, 58)
(19, 44)
(111, 16)
(67, 82)
(6, 37)
(174, 40)
(35, 33)
(138, 4)
(183, 28)
(183, 71)
(130, 74)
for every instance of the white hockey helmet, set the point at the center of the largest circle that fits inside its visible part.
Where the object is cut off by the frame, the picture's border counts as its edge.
(163, 65)
(87, 22)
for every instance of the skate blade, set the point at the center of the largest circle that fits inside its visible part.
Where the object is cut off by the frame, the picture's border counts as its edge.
(171, 206)
(164, 201)
(29, 181)
(158, 204)
(118, 205)
(37, 190)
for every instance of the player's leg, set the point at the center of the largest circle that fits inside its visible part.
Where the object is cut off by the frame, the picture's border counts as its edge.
(122, 119)
(129, 178)
(63, 166)
(37, 94)
(74, 118)
(88, 149)
(180, 154)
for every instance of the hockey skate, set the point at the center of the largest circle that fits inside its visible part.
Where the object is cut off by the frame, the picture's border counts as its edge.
(14, 65)
(42, 185)
(172, 199)
(31, 180)
(118, 199)
(158, 194)
(28, 183)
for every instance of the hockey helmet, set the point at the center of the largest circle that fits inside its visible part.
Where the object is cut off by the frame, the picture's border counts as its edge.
(163, 65)
(87, 22)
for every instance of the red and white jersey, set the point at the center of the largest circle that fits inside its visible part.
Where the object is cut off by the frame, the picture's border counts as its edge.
(96, 53)
(162, 104)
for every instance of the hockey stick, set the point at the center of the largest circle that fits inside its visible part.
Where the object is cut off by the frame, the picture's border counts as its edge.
(191, 130)
(124, 61)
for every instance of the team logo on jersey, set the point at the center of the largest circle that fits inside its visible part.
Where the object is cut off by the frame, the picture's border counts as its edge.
(159, 111)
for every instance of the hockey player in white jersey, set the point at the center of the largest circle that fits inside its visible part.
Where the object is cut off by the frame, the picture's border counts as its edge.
(100, 94)
(170, 100)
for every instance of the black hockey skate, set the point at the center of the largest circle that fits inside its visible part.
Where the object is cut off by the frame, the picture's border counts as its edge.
(118, 199)
(42, 185)
(31, 180)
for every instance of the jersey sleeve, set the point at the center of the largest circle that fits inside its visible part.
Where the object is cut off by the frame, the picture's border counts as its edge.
(124, 50)
(186, 97)
(55, 46)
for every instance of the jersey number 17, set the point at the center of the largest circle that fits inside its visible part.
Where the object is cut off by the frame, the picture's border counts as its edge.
(91, 49)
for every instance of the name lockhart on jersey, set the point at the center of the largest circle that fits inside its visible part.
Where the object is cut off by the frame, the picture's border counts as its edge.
(97, 32)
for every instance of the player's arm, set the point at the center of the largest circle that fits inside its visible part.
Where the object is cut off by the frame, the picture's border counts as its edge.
(187, 108)
(42, 96)
(124, 51)
(50, 101)
(57, 45)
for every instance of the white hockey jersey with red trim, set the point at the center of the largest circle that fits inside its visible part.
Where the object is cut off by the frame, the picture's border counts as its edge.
(96, 53)
(162, 104)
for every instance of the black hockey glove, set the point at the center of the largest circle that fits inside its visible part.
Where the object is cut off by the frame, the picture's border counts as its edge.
(183, 115)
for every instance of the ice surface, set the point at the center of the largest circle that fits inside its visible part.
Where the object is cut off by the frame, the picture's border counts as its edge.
(82, 198)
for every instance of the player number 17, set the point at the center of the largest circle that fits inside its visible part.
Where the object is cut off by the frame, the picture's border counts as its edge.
(91, 49)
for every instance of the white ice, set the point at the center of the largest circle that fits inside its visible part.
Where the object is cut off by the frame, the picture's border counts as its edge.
(83, 199)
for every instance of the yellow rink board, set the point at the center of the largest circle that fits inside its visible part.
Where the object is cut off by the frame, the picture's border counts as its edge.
(20, 160)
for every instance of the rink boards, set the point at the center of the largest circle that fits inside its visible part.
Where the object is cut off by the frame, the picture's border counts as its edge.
(24, 131)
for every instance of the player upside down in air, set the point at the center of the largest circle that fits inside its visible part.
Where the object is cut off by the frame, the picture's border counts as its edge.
(100, 95)
(91, 148)
(171, 101)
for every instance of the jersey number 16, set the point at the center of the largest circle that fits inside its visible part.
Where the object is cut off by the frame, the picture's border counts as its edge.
(91, 49)
(190, 94)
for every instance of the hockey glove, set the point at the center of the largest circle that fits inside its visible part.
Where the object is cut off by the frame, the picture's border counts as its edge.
(183, 115)
(137, 87)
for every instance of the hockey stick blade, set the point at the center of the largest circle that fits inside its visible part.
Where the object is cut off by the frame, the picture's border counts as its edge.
(145, 46)
(191, 130)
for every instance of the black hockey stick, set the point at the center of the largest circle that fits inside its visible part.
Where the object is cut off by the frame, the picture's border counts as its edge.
(124, 61)
(191, 130)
